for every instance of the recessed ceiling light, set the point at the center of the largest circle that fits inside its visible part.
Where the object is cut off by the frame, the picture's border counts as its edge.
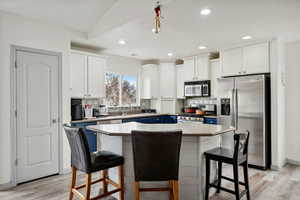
(205, 11)
(202, 47)
(122, 42)
(170, 54)
(247, 37)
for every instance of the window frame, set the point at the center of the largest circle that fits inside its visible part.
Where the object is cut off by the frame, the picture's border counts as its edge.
(120, 77)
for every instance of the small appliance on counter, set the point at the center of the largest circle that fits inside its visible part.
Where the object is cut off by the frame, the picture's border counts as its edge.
(88, 110)
(76, 109)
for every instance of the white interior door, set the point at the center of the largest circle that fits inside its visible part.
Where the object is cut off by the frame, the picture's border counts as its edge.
(37, 107)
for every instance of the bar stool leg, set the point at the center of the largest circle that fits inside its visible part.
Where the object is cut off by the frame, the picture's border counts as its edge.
(207, 178)
(171, 197)
(137, 190)
(121, 181)
(105, 176)
(236, 180)
(176, 190)
(246, 178)
(73, 183)
(219, 176)
(88, 180)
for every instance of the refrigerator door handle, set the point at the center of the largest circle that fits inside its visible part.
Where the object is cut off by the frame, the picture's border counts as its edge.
(236, 109)
(233, 108)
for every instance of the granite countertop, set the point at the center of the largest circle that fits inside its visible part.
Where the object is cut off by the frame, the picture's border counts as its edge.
(188, 128)
(120, 117)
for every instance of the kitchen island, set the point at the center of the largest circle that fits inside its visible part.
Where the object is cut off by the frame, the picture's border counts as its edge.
(197, 138)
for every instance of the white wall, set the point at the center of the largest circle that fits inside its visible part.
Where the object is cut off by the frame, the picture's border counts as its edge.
(15, 30)
(293, 102)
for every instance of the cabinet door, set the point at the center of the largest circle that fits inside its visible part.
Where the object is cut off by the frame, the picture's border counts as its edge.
(167, 80)
(78, 71)
(189, 69)
(95, 79)
(202, 71)
(168, 106)
(180, 81)
(256, 59)
(149, 82)
(232, 62)
(215, 75)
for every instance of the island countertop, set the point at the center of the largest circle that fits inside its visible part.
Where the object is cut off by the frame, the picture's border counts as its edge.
(188, 128)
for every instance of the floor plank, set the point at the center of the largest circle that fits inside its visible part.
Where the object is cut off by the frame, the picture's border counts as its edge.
(264, 185)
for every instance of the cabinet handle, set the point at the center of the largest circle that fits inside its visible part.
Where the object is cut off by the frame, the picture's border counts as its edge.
(240, 72)
(245, 72)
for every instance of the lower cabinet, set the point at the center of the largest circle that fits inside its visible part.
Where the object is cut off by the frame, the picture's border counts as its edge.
(165, 119)
(210, 120)
(91, 136)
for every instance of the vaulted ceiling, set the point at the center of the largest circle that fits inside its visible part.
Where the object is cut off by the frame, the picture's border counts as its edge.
(183, 28)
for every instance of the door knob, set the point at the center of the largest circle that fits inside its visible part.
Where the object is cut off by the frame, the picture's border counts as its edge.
(54, 121)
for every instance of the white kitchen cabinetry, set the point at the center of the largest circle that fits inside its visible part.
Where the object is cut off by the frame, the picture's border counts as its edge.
(197, 68)
(78, 75)
(202, 70)
(232, 62)
(252, 59)
(189, 69)
(180, 81)
(167, 80)
(215, 76)
(87, 76)
(256, 58)
(150, 82)
(95, 80)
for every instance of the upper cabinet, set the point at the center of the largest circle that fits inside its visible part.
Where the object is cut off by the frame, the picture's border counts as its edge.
(78, 74)
(202, 70)
(197, 68)
(256, 58)
(167, 80)
(232, 62)
(180, 81)
(189, 69)
(150, 82)
(95, 80)
(87, 76)
(252, 59)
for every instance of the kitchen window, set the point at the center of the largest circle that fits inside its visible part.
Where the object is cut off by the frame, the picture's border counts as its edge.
(121, 90)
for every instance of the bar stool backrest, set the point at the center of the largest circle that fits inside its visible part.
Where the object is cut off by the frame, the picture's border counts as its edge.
(156, 155)
(241, 141)
(80, 154)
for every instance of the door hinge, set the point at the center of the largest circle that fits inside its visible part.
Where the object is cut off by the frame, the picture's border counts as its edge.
(16, 66)
(16, 162)
(16, 113)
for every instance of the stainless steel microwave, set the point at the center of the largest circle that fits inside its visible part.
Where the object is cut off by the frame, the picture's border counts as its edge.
(197, 88)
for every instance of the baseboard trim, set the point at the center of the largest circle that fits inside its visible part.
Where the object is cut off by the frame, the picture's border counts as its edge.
(293, 162)
(6, 186)
(275, 167)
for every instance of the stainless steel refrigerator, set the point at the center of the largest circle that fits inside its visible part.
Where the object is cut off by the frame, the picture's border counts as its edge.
(250, 109)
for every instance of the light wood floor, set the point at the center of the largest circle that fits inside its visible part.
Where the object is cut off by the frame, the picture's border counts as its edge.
(265, 185)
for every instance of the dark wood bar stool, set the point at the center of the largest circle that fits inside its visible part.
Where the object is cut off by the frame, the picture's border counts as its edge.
(156, 158)
(236, 158)
(85, 161)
